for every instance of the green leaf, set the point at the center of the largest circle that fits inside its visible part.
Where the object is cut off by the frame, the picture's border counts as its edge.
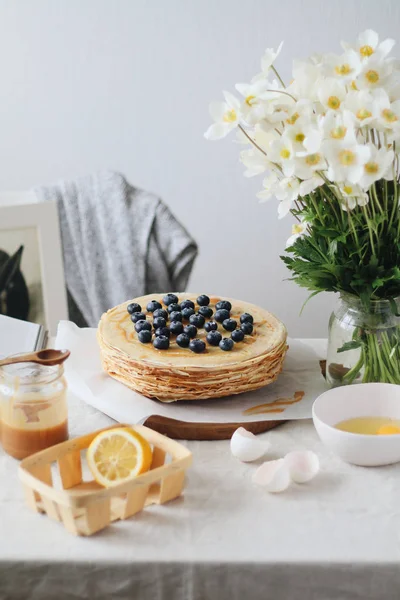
(353, 345)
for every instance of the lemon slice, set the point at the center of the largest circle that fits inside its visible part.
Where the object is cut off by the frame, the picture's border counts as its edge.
(117, 455)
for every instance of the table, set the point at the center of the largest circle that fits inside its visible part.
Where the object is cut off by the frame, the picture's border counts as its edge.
(332, 539)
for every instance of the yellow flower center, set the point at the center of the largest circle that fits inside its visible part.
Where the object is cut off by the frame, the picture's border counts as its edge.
(297, 228)
(285, 153)
(366, 51)
(333, 102)
(230, 116)
(348, 190)
(343, 69)
(371, 168)
(292, 120)
(339, 132)
(363, 113)
(354, 85)
(300, 137)
(389, 115)
(347, 157)
(313, 159)
(249, 100)
(372, 76)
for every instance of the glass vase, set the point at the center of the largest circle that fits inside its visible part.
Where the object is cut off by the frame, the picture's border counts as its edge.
(364, 345)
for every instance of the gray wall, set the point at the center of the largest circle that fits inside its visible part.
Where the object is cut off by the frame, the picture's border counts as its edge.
(125, 84)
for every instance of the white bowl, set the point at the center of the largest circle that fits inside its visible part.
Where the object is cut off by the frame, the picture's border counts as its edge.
(360, 400)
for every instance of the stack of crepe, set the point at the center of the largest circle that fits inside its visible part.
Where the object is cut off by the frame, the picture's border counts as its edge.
(178, 373)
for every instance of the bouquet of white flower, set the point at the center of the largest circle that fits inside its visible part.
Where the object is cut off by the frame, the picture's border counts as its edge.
(329, 144)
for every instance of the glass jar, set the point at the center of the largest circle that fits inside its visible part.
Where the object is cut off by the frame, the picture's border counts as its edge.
(364, 345)
(33, 408)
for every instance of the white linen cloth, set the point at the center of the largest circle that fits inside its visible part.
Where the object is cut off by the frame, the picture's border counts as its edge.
(336, 538)
(88, 381)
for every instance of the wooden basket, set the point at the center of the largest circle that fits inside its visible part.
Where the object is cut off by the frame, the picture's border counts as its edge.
(53, 481)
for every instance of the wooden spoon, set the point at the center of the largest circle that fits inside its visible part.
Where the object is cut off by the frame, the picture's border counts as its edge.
(43, 357)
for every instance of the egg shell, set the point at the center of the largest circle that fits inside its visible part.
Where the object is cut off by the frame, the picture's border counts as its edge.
(303, 465)
(273, 476)
(246, 447)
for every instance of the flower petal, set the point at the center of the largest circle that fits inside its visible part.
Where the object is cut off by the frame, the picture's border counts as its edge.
(217, 131)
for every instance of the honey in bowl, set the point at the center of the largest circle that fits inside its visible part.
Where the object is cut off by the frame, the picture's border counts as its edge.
(370, 425)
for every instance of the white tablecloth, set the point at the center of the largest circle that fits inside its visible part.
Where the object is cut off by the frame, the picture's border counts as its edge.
(335, 538)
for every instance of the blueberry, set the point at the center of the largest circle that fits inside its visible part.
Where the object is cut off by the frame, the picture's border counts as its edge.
(206, 311)
(203, 300)
(211, 326)
(214, 338)
(187, 312)
(176, 327)
(174, 307)
(133, 307)
(161, 342)
(246, 318)
(159, 322)
(160, 312)
(144, 336)
(176, 315)
(162, 332)
(190, 330)
(223, 305)
(247, 328)
(197, 346)
(187, 304)
(221, 315)
(138, 316)
(142, 325)
(229, 324)
(197, 320)
(170, 299)
(153, 305)
(226, 344)
(237, 335)
(183, 340)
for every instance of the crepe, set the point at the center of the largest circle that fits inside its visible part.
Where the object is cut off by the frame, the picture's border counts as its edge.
(179, 374)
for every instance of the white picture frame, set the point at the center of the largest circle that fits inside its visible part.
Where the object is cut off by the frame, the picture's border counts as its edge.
(43, 217)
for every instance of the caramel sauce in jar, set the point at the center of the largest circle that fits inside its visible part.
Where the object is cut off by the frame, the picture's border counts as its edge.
(33, 408)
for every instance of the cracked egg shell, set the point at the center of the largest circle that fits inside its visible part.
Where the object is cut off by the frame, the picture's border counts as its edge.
(273, 476)
(246, 446)
(303, 465)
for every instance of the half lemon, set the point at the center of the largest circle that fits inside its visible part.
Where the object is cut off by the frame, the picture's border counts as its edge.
(117, 455)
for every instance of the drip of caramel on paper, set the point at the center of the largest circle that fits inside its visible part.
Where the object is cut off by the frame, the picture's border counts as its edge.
(275, 406)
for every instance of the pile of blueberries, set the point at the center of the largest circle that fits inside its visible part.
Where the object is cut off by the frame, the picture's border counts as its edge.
(178, 313)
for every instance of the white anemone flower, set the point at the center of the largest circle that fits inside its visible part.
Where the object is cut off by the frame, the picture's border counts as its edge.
(338, 125)
(281, 151)
(310, 185)
(287, 191)
(378, 166)
(269, 186)
(298, 229)
(368, 45)
(388, 113)
(302, 132)
(346, 160)
(269, 57)
(308, 163)
(306, 75)
(226, 116)
(254, 161)
(353, 195)
(345, 66)
(362, 105)
(253, 108)
(374, 74)
(331, 93)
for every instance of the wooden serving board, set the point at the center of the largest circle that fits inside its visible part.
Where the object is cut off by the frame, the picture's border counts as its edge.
(182, 430)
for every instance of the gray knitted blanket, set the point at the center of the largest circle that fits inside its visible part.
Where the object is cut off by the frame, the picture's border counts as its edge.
(118, 242)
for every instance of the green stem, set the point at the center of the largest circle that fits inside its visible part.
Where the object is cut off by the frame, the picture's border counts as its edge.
(277, 74)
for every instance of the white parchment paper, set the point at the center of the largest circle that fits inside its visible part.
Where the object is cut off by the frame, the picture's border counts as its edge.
(86, 380)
